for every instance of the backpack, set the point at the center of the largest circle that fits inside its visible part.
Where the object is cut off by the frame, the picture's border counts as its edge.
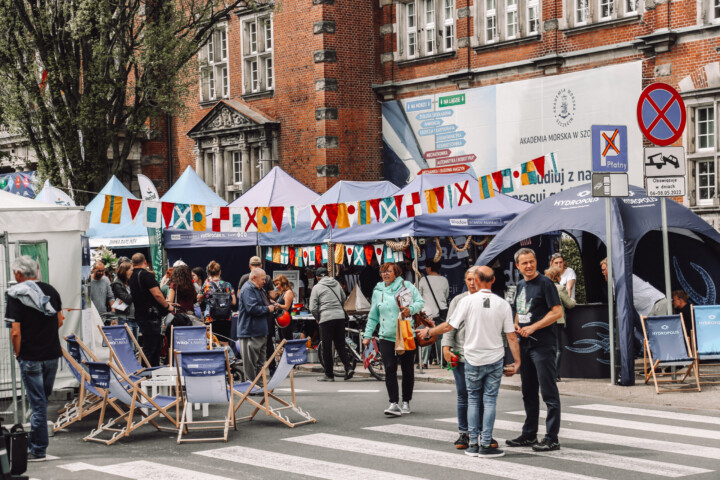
(219, 304)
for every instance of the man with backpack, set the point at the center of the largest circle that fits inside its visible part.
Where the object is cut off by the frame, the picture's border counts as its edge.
(327, 306)
(219, 300)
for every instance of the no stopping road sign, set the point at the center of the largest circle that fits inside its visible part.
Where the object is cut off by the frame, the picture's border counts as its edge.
(661, 114)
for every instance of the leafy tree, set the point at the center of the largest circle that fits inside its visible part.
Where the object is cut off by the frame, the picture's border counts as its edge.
(573, 257)
(85, 79)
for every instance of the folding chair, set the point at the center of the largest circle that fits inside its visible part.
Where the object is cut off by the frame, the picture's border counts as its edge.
(120, 340)
(114, 382)
(667, 345)
(706, 341)
(89, 398)
(294, 352)
(207, 379)
(184, 339)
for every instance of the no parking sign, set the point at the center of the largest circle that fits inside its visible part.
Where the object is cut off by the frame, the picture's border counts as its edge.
(661, 114)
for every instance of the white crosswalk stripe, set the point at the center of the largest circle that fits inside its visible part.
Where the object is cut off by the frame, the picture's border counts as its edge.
(407, 453)
(142, 470)
(614, 439)
(663, 469)
(290, 463)
(644, 412)
(634, 425)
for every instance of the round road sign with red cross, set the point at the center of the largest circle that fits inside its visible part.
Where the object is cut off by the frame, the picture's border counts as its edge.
(661, 114)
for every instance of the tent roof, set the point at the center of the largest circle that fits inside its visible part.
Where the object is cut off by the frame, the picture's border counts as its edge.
(53, 195)
(276, 189)
(15, 217)
(105, 231)
(348, 191)
(191, 189)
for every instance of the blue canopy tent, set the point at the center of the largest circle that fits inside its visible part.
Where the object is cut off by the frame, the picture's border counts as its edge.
(342, 191)
(632, 218)
(123, 235)
(481, 217)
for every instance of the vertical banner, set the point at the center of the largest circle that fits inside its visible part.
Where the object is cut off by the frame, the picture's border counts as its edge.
(157, 258)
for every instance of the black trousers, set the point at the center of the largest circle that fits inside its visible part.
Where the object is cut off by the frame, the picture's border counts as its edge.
(152, 342)
(333, 331)
(390, 361)
(537, 372)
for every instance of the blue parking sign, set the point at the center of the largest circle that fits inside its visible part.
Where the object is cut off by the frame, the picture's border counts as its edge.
(609, 148)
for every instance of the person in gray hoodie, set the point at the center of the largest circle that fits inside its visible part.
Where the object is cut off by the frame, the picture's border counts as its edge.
(327, 302)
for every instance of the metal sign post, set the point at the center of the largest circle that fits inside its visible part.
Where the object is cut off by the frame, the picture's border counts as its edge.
(666, 254)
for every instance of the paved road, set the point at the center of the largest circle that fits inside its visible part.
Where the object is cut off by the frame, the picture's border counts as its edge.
(353, 439)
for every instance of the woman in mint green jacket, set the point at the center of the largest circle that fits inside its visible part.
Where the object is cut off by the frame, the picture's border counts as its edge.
(385, 311)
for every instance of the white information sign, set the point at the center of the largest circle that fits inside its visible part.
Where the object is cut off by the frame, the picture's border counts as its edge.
(665, 186)
(665, 162)
(610, 185)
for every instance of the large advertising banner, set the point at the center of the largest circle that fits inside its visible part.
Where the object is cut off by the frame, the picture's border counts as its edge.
(486, 129)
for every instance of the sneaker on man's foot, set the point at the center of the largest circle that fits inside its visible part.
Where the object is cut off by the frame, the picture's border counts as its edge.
(393, 410)
(405, 408)
(547, 445)
(34, 458)
(494, 443)
(488, 451)
(463, 441)
(472, 450)
(349, 374)
(325, 379)
(521, 441)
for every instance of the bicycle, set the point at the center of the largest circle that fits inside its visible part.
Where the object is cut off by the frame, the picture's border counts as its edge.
(354, 351)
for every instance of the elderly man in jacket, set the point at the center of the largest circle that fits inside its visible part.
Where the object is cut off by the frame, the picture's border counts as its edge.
(327, 302)
(254, 308)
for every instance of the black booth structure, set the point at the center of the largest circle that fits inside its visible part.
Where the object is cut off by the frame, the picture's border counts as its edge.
(637, 248)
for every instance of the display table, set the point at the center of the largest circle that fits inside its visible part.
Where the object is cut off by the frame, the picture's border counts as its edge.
(585, 342)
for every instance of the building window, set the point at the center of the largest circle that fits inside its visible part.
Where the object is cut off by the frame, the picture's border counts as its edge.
(491, 21)
(631, 6)
(533, 17)
(705, 181)
(582, 11)
(237, 168)
(213, 60)
(258, 74)
(606, 9)
(511, 18)
(602, 10)
(504, 20)
(705, 127)
(427, 27)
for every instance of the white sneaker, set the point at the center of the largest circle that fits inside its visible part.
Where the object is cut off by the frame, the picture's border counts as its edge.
(405, 409)
(393, 410)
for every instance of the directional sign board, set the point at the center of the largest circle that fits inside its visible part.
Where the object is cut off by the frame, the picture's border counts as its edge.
(610, 185)
(665, 186)
(609, 148)
(661, 114)
(665, 162)
(448, 169)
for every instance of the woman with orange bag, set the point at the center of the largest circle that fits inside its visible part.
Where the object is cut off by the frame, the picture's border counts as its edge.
(385, 311)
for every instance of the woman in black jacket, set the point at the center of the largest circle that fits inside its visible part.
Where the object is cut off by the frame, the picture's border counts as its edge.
(121, 290)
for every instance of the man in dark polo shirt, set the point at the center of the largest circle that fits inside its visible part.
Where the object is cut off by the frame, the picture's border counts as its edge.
(537, 309)
(150, 307)
(33, 310)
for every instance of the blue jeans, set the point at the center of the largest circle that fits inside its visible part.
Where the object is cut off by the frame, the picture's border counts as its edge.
(38, 377)
(462, 398)
(483, 384)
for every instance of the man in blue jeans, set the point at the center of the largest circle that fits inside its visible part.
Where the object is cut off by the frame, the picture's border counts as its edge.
(34, 314)
(485, 316)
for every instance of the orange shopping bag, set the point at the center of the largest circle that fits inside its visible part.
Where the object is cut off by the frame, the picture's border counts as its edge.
(404, 337)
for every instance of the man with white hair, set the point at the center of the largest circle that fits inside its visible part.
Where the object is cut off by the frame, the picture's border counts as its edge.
(34, 311)
(254, 309)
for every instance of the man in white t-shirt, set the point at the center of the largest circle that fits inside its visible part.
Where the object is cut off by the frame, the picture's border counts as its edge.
(485, 317)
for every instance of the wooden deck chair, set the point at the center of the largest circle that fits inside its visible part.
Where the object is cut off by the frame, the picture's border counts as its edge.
(183, 339)
(706, 341)
(667, 345)
(115, 382)
(120, 340)
(291, 352)
(89, 399)
(207, 379)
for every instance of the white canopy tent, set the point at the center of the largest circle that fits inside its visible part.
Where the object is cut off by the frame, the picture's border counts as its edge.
(26, 222)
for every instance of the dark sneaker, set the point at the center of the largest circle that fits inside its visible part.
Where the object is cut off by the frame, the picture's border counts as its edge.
(349, 374)
(494, 443)
(34, 458)
(488, 451)
(393, 410)
(472, 450)
(547, 445)
(521, 441)
(325, 379)
(463, 441)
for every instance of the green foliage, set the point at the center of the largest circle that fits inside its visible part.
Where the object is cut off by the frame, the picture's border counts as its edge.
(571, 254)
(81, 79)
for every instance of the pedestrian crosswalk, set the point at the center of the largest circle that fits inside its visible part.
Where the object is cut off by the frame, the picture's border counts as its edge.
(604, 442)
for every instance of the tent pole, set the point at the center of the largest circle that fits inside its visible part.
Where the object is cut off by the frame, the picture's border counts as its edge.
(611, 323)
(13, 377)
(666, 254)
